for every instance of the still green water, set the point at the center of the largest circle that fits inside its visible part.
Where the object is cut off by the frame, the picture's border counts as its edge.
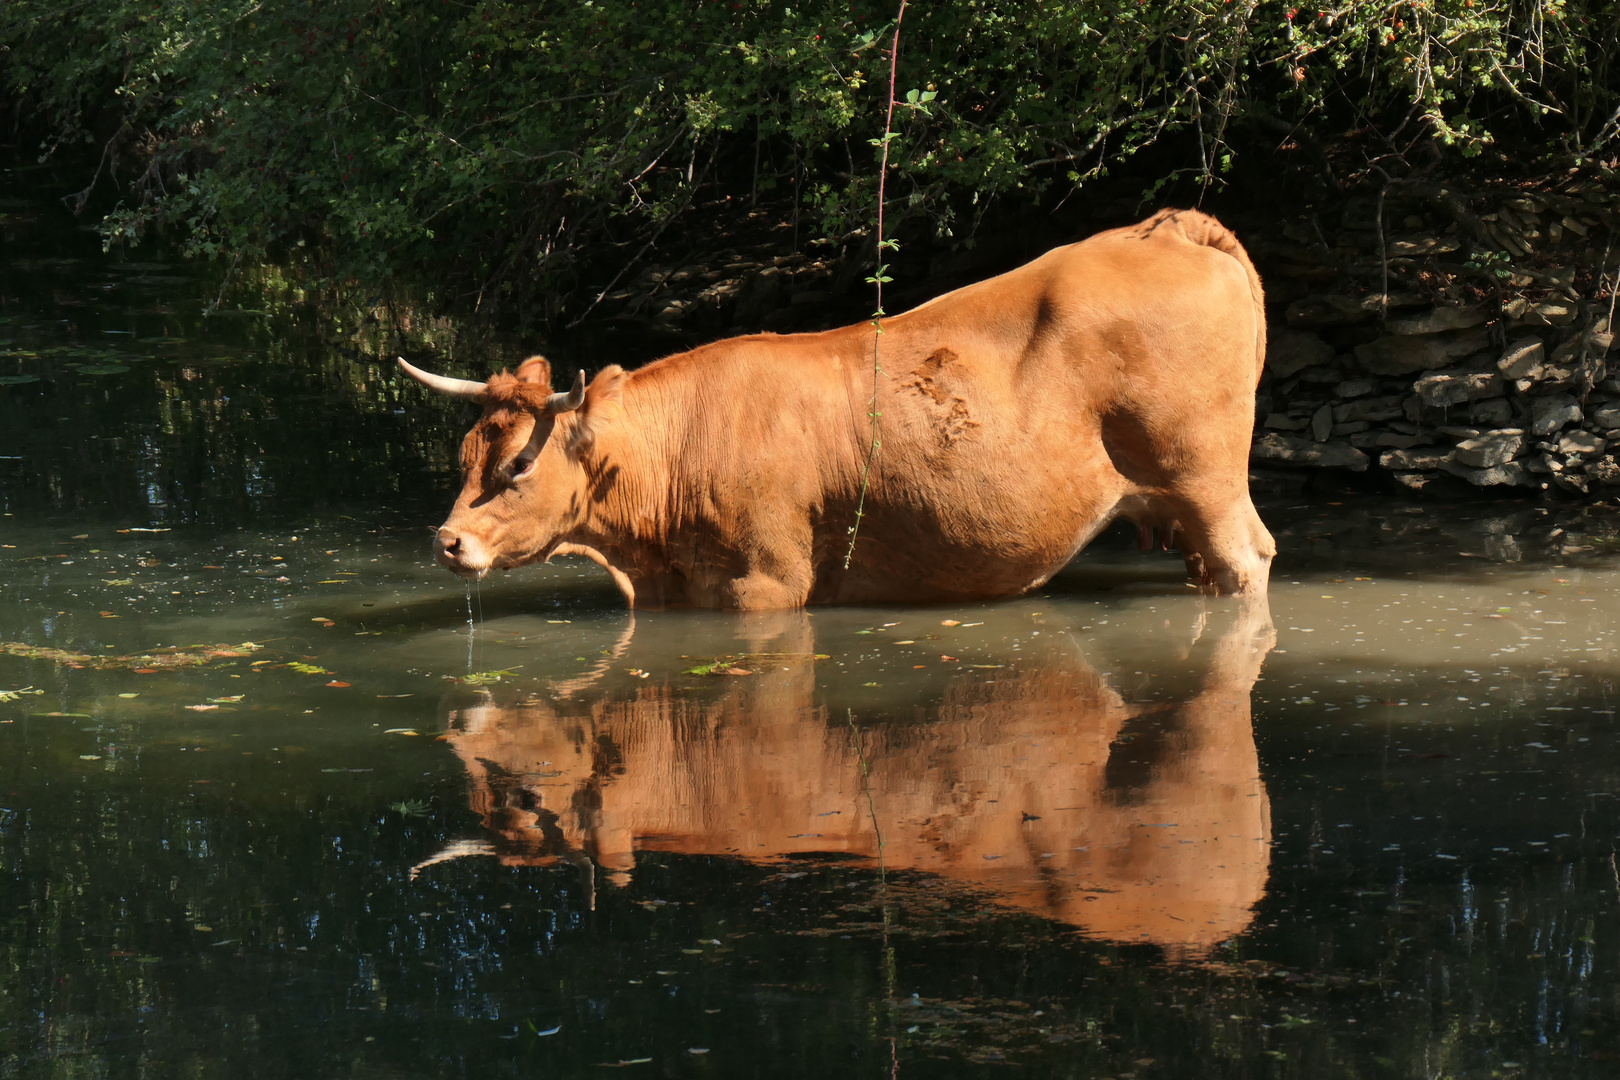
(287, 801)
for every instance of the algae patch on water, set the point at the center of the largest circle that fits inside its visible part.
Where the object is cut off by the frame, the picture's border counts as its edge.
(179, 656)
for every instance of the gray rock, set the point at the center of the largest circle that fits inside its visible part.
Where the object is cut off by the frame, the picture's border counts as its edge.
(1322, 423)
(1502, 547)
(761, 294)
(1594, 344)
(1284, 422)
(1400, 442)
(1378, 408)
(1492, 412)
(1321, 375)
(1289, 352)
(1423, 245)
(1399, 354)
(1512, 473)
(1416, 459)
(1354, 388)
(1523, 359)
(1571, 481)
(1581, 442)
(1607, 418)
(1605, 470)
(1550, 413)
(1354, 427)
(1437, 388)
(1551, 313)
(1328, 309)
(1437, 320)
(1491, 449)
(1281, 449)
(1415, 481)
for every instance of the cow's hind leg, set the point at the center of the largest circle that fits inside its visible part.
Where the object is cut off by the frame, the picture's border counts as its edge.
(1226, 545)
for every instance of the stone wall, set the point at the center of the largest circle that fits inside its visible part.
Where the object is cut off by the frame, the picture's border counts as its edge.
(1445, 338)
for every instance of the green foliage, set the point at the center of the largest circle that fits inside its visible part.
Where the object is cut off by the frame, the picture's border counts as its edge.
(492, 145)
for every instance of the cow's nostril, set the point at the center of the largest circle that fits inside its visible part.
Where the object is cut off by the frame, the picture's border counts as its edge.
(452, 546)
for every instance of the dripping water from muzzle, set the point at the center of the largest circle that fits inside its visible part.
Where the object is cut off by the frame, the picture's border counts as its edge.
(468, 586)
(478, 601)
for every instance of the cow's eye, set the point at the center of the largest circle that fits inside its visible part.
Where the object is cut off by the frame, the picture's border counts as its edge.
(520, 466)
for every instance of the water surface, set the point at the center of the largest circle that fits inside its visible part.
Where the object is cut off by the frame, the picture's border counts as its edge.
(278, 798)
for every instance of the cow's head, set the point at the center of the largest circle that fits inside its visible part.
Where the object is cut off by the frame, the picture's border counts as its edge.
(524, 482)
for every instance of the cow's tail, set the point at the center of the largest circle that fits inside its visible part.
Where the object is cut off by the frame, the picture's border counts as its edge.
(1200, 228)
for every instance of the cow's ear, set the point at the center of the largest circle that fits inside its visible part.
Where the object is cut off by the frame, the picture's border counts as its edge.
(604, 403)
(535, 369)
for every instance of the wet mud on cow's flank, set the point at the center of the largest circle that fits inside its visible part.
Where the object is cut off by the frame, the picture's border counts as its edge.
(1124, 829)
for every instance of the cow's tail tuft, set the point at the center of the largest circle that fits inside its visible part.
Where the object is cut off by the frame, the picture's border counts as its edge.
(1200, 228)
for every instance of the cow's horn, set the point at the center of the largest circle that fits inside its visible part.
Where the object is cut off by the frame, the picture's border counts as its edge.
(462, 388)
(561, 403)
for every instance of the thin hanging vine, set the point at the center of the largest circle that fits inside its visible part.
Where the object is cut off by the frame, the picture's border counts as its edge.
(878, 278)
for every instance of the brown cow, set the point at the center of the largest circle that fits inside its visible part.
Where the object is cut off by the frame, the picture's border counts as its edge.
(1018, 417)
(1039, 786)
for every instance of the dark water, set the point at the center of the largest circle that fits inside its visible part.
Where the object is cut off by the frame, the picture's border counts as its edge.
(277, 798)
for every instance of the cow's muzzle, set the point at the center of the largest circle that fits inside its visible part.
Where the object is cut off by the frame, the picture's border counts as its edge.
(460, 554)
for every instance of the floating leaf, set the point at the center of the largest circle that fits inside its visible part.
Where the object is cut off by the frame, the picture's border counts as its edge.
(201, 708)
(103, 369)
(308, 669)
(481, 678)
(17, 380)
(337, 682)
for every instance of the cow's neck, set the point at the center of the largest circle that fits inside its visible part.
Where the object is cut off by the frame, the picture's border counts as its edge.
(626, 497)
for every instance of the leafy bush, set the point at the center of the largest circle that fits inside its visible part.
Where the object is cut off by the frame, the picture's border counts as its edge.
(492, 145)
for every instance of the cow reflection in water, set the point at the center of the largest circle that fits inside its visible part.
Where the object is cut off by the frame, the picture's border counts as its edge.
(1037, 783)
